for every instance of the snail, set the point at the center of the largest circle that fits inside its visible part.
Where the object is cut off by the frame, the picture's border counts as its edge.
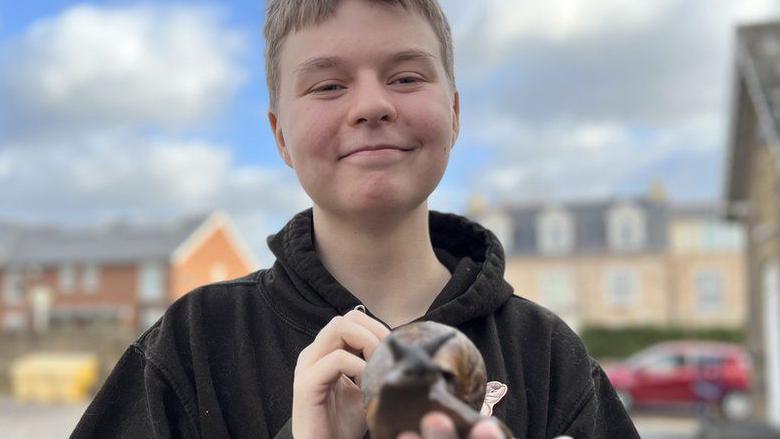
(419, 368)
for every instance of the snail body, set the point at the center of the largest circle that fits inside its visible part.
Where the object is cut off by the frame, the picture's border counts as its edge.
(420, 368)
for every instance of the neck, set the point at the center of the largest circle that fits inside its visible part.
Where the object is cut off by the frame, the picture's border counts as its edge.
(388, 263)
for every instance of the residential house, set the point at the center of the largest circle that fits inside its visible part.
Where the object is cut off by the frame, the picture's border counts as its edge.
(753, 196)
(624, 262)
(118, 274)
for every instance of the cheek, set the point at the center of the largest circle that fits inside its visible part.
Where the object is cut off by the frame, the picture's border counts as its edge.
(434, 126)
(312, 135)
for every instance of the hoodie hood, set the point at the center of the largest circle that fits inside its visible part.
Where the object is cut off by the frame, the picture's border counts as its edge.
(311, 296)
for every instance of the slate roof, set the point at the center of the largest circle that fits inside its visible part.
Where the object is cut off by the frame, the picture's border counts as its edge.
(590, 226)
(708, 211)
(116, 243)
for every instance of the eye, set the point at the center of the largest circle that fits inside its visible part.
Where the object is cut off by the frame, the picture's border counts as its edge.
(327, 88)
(449, 377)
(404, 80)
(450, 380)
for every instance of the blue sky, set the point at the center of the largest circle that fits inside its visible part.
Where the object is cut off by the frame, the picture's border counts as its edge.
(146, 109)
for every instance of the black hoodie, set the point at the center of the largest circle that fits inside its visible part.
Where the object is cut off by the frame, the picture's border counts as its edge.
(220, 362)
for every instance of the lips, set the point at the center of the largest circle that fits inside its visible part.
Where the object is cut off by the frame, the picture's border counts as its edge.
(376, 148)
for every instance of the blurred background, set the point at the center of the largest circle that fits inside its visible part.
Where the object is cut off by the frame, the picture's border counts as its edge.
(625, 153)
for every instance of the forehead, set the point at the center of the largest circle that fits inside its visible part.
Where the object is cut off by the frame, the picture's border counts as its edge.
(360, 30)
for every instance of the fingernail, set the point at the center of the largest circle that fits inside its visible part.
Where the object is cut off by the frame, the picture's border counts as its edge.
(437, 426)
(487, 430)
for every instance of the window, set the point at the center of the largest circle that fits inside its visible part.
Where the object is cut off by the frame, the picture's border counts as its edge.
(718, 235)
(623, 287)
(152, 282)
(626, 229)
(90, 278)
(710, 294)
(555, 232)
(556, 290)
(67, 278)
(709, 361)
(12, 287)
(664, 364)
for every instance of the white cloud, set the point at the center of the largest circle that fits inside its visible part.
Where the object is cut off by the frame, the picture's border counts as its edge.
(162, 176)
(588, 98)
(755, 10)
(5, 166)
(576, 159)
(106, 67)
(509, 20)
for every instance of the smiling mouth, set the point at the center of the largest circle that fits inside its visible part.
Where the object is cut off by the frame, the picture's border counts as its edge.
(377, 148)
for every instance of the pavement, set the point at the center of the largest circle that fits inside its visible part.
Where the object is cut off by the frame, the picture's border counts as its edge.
(666, 426)
(28, 421)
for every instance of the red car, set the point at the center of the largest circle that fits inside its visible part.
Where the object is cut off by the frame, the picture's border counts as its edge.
(689, 373)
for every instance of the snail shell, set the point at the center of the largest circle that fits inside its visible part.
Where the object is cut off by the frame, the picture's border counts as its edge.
(418, 368)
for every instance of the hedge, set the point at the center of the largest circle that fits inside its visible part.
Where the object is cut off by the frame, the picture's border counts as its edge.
(613, 343)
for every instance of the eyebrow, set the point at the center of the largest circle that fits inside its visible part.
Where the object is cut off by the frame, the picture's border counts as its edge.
(328, 62)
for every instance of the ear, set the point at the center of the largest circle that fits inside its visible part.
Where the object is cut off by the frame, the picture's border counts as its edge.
(455, 117)
(281, 146)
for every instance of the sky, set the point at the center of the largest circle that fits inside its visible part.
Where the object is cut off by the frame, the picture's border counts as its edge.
(120, 109)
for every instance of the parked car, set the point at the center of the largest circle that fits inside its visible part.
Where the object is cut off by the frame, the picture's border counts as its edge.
(687, 373)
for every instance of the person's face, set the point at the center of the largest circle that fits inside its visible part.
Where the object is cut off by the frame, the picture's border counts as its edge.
(366, 115)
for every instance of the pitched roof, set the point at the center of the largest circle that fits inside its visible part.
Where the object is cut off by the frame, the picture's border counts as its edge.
(699, 211)
(756, 100)
(111, 243)
(590, 225)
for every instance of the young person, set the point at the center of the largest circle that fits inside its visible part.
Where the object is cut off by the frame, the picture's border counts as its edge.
(364, 108)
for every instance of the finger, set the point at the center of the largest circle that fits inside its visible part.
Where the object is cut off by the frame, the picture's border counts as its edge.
(339, 333)
(437, 425)
(486, 429)
(330, 368)
(373, 325)
(408, 435)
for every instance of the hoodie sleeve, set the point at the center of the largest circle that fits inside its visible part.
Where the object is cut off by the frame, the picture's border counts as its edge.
(136, 401)
(598, 413)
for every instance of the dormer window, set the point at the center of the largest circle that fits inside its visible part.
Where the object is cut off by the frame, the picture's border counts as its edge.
(626, 228)
(555, 232)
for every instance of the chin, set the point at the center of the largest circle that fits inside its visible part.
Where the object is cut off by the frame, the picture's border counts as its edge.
(380, 207)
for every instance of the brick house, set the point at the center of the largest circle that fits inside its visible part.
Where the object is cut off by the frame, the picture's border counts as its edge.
(624, 262)
(753, 195)
(115, 275)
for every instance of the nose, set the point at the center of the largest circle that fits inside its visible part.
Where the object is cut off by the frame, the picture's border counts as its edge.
(372, 104)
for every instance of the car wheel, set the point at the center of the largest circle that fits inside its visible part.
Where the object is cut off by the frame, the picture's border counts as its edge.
(626, 399)
(736, 406)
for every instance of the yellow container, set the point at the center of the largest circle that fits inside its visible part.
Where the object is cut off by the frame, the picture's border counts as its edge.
(54, 377)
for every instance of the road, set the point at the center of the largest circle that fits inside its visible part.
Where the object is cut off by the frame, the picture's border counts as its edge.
(23, 421)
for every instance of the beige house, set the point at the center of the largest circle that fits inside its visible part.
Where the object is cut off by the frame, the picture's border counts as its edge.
(122, 275)
(753, 196)
(624, 262)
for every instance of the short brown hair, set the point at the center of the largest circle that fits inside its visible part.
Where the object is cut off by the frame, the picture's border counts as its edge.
(285, 16)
